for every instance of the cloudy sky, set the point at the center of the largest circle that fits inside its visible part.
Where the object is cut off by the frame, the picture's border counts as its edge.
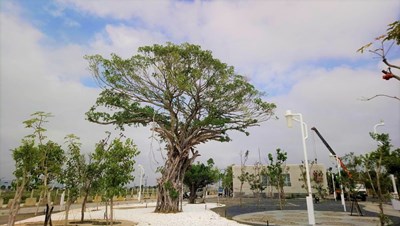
(301, 53)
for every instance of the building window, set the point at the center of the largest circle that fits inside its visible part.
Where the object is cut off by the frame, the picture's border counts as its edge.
(286, 180)
(265, 181)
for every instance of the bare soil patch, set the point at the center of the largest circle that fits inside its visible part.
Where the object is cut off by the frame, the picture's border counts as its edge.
(84, 223)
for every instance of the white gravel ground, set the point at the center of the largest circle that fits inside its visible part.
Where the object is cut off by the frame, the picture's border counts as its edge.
(193, 214)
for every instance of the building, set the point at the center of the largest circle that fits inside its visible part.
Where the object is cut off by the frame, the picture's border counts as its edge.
(293, 182)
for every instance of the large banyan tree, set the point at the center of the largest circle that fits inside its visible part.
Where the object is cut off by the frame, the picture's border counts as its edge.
(189, 97)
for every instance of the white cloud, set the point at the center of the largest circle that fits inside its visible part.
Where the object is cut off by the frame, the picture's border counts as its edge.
(124, 40)
(278, 45)
(37, 78)
(329, 101)
(264, 40)
(124, 9)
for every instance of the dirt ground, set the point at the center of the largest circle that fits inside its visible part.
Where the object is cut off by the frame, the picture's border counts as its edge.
(4, 218)
(85, 223)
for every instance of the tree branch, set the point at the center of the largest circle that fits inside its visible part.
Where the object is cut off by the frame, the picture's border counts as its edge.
(390, 65)
(379, 95)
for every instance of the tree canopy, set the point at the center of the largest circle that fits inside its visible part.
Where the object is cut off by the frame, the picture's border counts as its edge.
(275, 172)
(189, 97)
(199, 176)
(115, 160)
(192, 96)
(37, 162)
(227, 180)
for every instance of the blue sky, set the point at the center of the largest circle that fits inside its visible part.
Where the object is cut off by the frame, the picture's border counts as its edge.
(301, 53)
(63, 26)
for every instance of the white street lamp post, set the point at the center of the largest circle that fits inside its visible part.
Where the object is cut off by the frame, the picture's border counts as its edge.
(379, 124)
(395, 194)
(140, 182)
(333, 184)
(338, 166)
(341, 184)
(334, 188)
(310, 206)
(375, 126)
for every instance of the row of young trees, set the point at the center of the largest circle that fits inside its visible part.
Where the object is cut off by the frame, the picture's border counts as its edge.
(41, 162)
(273, 176)
(373, 170)
(274, 172)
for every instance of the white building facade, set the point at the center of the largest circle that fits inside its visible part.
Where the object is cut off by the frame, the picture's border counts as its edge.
(294, 184)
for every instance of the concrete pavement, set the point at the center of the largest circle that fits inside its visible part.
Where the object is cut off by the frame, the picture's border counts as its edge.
(370, 212)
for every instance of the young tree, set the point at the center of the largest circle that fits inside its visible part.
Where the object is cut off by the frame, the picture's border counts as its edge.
(303, 174)
(332, 185)
(190, 97)
(116, 160)
(254, 179)
(276, 170)
(26, 159)
(51, 154)
(358, 169)
(198, 176)
(243, 174)
(73, 172)
(383, 149)
(318, 183)
(371, 170)
(367, 169)
(392, 164)
(51, 169)
(91, 181)
(227, 180)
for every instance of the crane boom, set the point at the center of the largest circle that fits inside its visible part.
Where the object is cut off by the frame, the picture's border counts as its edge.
(331, 151)
(324, 141)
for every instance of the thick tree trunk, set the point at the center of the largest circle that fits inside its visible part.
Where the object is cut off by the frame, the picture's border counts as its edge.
(192, 195)
(167, 200)
(170, 183)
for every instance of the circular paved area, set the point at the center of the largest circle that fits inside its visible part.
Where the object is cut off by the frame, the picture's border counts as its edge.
(327, 212)
(299, 217)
